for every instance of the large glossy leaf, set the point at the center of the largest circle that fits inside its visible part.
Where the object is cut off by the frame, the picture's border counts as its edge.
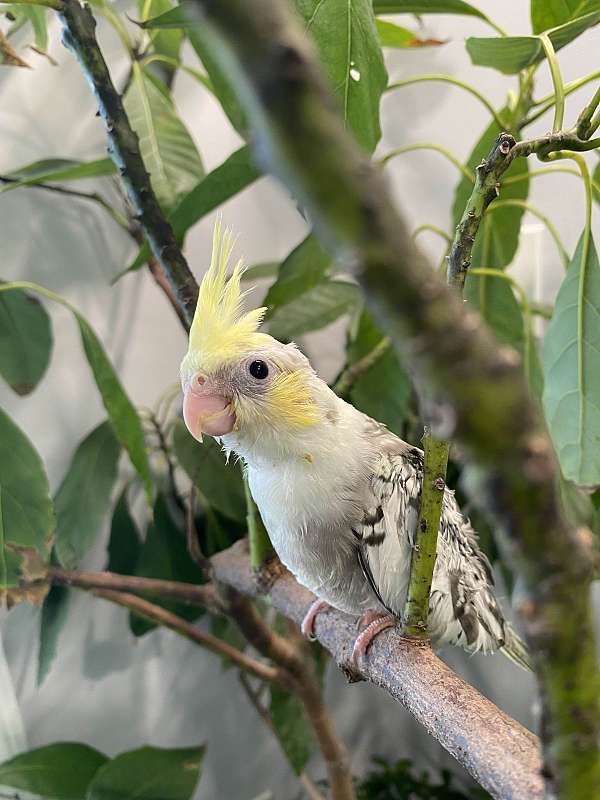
(228, 179)
(149, 773)
(164, 555)
(498, 237)
(314, 309)
(511, 54)
(169, 153)
(26, 515)
(52, 621)
(547, 14)
(571, 361)
(384, 389)
(426, 7)
(347, 40)
(83, 498)
(303, 268)
(25, 340)
(494, 299)
(218, 481)
(293, 731)
(56, 170)
(60, 771)
(122, 413)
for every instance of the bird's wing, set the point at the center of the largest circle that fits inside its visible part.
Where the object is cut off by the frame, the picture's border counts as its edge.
(463, 608)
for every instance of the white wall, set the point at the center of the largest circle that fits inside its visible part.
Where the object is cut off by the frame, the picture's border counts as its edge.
(106, 688)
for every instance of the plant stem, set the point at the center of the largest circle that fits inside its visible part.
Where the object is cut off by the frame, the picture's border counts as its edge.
(438, 148)
(434, 229)
(455, 82)
(350, 375)
(79, 37)
(261, 548)
(587, 122)
(416, 610)
(559, 89)
(484, 191)
(516, 203)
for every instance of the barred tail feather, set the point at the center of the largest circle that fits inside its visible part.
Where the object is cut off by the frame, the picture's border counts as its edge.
(516, 649)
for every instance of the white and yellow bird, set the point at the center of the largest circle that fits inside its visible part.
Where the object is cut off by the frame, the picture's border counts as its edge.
(337, 491)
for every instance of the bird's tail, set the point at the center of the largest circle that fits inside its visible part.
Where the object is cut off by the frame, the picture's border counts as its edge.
(516, 649)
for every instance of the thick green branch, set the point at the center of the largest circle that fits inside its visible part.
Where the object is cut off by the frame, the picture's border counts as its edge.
(79, 37)
(416, 610)
(299, 135)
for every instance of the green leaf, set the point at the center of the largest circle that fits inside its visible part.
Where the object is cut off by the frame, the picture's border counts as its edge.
(268, 269)
(56, 170)
(392, 35)
(494, 299)
(427, 7)
(164, 42)
(314, 309)
(52, 620)
(292, 729)
(596, 183)
(59, 771)
(122, 413)
(236, 173)
(168, 151)
(125, 542)
(164, 555)
(571, 361)
(217, 480)
(84, 494)
(149, 773)
(348, 44)
(511, 54)
(384, 389)
(303, 269)
(26, 515)
(37, 18)
(25, 340)
(547, 14)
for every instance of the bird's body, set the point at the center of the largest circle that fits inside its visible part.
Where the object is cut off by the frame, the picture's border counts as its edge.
(339, 493)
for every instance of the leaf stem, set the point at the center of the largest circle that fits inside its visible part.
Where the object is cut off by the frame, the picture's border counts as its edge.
(440, 77)
(438, 148)
(516, 203)
(559, 89)
(427, 226)
(588, 121)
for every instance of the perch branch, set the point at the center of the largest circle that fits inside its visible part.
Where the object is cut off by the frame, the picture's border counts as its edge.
(79, 37)
(300, 136)
(498, 752)
(167, 619)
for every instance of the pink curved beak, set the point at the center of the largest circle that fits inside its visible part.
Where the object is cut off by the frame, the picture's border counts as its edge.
(207, 413)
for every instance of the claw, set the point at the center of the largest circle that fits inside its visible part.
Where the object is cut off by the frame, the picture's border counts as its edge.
(377, 622)
(308, 623)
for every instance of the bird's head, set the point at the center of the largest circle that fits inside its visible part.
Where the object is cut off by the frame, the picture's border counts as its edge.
(237, 380)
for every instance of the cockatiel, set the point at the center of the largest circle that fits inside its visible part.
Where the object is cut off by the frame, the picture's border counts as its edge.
(337, 491)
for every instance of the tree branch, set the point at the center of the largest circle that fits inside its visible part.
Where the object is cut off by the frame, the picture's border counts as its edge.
(79, 37)
(300, 670)
(497, 751)
(300, 136)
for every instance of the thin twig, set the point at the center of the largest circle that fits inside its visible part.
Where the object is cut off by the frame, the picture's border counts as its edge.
(204, 596)
(351, 374)
(184, 628)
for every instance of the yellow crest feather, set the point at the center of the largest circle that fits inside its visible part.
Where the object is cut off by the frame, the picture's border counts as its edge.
(221, 331)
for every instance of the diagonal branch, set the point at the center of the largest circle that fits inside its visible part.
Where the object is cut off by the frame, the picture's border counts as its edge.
(299, 135)
(79, 37)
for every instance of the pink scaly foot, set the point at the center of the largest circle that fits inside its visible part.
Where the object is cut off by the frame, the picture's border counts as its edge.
(377, 622)
(308, 623)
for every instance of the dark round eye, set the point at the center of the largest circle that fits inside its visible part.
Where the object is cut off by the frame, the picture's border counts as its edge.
(258, 369)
